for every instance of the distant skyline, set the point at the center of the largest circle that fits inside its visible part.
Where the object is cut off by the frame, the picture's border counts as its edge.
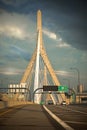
(64, 36)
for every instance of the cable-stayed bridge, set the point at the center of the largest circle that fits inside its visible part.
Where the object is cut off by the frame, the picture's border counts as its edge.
(39, 72)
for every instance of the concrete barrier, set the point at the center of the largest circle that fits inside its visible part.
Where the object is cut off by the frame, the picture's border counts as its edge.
(7, 100)
(5, 104)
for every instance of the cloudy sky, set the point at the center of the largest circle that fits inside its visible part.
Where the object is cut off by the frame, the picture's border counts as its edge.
(64, 36)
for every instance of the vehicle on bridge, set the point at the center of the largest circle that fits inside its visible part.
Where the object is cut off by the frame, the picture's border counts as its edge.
(50, 102)
(63, 103)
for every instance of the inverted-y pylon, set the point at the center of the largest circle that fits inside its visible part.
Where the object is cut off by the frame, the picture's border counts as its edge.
(42, 54)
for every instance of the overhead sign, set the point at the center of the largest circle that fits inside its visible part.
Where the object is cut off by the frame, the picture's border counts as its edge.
(55, 88)
(50, 88)
(63, 88)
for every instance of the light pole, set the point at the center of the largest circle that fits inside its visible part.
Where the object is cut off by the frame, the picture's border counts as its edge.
(78, 80)
(78, 74)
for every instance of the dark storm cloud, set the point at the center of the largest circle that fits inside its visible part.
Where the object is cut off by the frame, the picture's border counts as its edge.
(67, 18)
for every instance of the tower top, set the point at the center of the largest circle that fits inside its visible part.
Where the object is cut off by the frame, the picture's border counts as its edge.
(39, 20)
(39, 11)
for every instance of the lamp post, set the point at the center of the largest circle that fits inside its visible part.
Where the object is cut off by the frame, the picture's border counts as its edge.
(78, 74)
(78, 80)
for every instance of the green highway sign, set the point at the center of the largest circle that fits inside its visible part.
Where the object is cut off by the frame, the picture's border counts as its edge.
(63, 88)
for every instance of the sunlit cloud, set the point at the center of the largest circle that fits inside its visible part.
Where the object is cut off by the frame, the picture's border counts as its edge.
(62, 44)
(13, 31)
(16, 25)
(10, 71)
(63, 73)
(57, 38)
(50, 34)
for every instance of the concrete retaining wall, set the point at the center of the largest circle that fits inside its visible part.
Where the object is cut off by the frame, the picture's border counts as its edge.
(5, 104)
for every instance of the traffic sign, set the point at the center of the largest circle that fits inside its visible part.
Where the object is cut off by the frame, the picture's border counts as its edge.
(63, 88)
(55, 88)
(50, 88)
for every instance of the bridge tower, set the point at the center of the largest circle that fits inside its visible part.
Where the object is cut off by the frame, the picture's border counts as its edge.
(39, 52)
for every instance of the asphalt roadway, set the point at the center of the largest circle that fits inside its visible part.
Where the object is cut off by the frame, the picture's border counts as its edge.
(28, 117)
(74, 115)
(33, 116)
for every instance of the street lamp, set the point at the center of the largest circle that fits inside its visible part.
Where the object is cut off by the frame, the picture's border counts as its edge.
(78, 80)
(78, 74)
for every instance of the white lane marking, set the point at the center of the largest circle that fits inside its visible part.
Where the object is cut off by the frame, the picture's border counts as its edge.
(73, 110)
(61, 122)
